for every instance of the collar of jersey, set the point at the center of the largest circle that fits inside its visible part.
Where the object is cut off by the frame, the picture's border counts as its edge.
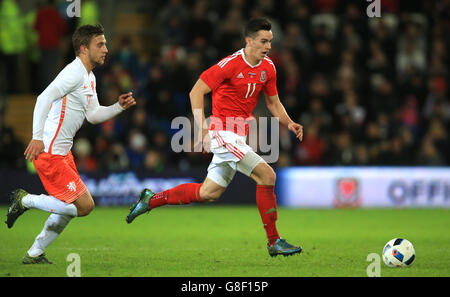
(245, 60)
(82, 65)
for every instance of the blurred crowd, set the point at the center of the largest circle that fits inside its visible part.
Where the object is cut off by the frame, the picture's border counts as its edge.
(368, 91)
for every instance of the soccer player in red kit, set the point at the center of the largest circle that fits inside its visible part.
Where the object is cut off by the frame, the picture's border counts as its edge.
(236, 83)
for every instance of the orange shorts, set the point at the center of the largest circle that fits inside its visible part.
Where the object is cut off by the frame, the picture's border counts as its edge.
(59, 176)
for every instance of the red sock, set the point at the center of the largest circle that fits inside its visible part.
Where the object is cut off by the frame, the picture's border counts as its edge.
(182, 194)
(267, 206)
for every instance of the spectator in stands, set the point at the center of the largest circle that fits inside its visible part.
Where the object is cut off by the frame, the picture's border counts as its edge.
(126, 57)
(200, 27)
(82, 150)
(136, 149)
(428, 154)
(12, 47)
(154, 161)
(310, 151)
(116, 158)
(51, 28)
(341, 151)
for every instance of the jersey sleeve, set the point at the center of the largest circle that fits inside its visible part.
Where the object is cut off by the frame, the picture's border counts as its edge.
(63, 84)
(96, 114)
(215, 75)
(270, 87)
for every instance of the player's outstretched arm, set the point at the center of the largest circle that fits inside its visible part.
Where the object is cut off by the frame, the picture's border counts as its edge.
(96, 114)
(197, 96)
(277, 109)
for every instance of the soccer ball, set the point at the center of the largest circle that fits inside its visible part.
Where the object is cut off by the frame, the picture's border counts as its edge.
(398, 252)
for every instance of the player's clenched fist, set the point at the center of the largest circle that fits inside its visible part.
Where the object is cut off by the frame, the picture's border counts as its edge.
(127, 100)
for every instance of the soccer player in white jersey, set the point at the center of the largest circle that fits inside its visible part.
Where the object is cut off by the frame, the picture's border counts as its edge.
(59, 112)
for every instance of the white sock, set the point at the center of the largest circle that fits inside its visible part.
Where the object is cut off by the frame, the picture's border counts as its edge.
(54, 225)
(49, 204)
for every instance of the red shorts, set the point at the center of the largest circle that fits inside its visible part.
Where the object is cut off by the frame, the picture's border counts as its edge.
(59, 176)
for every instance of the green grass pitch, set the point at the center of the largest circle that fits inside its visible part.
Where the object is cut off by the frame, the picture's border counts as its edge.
(229, 241)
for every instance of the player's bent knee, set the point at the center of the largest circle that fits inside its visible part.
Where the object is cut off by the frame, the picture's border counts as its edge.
(265, 176)
(211, 196)
(210, 191)
(85, 210)
(85, 204)
(90, 207)
(271, 177)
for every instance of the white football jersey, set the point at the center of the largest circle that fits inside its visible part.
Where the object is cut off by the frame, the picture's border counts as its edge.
(61, 109)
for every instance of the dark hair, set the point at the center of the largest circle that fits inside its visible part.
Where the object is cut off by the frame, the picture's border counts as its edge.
(84, 34)
(254, 25)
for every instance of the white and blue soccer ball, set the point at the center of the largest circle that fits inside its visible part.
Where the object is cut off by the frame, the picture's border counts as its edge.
(398, 252)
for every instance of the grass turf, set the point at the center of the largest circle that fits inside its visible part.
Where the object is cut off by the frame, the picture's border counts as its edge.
(229, 241)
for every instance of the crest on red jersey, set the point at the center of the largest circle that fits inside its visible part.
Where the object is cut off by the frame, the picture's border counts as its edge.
(263, 76)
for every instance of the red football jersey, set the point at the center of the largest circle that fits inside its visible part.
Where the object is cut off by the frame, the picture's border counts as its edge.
(236, 86)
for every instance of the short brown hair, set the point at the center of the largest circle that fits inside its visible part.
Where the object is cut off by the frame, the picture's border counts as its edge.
(256, 24)
(84, 34)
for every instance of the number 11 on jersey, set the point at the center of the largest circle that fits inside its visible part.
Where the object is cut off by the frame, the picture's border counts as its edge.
(249, 87)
